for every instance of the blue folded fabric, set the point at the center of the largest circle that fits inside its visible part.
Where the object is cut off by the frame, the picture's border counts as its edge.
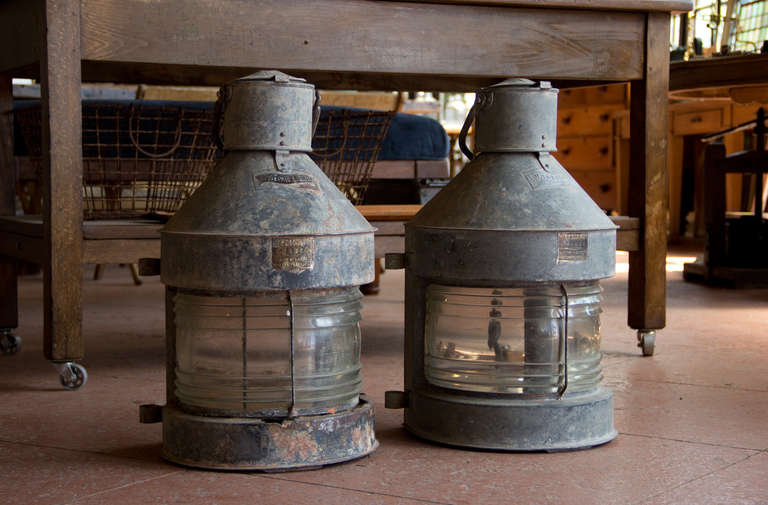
(409, 137)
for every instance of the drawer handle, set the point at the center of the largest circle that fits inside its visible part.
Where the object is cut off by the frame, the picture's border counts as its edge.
(604, 117)
(697, 119)
(603, 151)
(566, 151)
(567, 120)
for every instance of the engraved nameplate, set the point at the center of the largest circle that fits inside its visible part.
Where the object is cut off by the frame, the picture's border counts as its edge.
(293, 255)
(293, 181)
(540, 179)
(284, 178)
(571, 247)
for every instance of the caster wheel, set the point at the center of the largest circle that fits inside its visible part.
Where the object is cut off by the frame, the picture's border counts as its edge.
(72, 375)
(646, 340)
(10, 344)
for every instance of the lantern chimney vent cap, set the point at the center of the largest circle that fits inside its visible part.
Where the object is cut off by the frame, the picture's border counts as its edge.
(522, 83)
(270, 75)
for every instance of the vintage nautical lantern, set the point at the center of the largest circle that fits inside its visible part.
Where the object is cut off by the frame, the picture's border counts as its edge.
(262, 266)
(502, 321)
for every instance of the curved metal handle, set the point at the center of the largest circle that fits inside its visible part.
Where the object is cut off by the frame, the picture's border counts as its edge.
(218, 117)
(315, 112)
(464, 130)
(134, 141)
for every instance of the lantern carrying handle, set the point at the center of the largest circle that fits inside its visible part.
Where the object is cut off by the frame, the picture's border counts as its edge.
(315, 112)
(465, 130)
(222, 100)
(482, 100)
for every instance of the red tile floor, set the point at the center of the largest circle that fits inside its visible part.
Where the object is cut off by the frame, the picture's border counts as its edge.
(693, 419)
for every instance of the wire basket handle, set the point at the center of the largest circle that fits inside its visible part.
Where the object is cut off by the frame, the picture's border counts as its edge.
(345, 126)
(132, 136)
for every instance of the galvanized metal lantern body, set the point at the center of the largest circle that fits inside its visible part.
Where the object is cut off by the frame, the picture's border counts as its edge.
(262, 265)
(502, 296)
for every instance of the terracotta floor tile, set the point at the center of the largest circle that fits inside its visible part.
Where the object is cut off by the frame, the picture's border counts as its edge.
(734, 418)
(208, 488)
(628, 469)
(103, 417)
(41, 476)
(744, 483)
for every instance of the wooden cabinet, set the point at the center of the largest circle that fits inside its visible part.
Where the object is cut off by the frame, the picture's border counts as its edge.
(600, 185)
(742, 113)
(585, 153)
(705, 118)
(585, 138)
(700, 117)
(594, 95)
(579, 121)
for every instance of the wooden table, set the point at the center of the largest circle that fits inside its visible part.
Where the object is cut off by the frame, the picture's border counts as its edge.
(335, 44)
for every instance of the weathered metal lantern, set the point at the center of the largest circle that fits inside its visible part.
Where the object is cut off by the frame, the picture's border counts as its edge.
(263, 265)
(502, 325)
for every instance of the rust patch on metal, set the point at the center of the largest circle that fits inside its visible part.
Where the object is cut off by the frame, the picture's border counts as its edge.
(290, 444)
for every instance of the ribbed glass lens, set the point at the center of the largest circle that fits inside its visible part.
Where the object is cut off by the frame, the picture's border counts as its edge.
(234, 352)
(509, 340)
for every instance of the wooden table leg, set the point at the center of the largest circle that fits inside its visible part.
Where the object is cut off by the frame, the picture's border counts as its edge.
(8, 267)
(62, 179)
(648, 180)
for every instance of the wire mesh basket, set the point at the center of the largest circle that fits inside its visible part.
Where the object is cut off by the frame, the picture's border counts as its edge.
(138, 159)
(346, 145)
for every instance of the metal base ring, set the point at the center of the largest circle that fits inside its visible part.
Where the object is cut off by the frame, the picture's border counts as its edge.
(573, 422)
(225, 443)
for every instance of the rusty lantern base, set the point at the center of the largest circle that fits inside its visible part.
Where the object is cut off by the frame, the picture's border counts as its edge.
(223, 443)
(576, 421)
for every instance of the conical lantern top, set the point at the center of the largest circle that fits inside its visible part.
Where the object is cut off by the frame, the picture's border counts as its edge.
(267, 217)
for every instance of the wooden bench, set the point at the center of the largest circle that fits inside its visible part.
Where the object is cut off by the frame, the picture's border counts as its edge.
(126, 241)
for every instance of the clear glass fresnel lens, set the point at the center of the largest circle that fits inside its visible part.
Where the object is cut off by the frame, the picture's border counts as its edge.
(510, 340)
(234, 353)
